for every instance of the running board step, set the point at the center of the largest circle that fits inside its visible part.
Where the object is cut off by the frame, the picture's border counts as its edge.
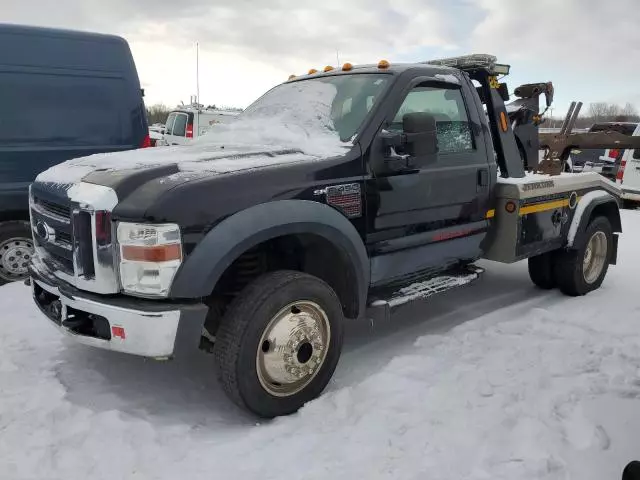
(421, 289)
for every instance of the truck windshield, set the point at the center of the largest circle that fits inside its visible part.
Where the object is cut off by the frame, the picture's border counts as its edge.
(337, 104)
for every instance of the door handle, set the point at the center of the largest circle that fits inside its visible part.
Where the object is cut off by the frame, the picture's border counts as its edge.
(483, 177)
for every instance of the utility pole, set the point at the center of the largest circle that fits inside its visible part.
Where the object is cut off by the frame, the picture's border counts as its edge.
(198, 74)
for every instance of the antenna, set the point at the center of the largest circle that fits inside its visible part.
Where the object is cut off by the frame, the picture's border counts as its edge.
(197, 74)
(337, 56)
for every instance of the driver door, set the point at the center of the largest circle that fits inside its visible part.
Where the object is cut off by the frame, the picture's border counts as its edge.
(431, 214)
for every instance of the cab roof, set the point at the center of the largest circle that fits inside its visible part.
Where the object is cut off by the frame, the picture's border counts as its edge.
(488, 64)
(392, 69)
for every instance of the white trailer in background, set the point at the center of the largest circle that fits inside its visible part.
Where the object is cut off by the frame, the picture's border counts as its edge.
(192, 121)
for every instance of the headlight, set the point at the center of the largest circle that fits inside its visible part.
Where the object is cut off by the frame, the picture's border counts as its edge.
(150, 256)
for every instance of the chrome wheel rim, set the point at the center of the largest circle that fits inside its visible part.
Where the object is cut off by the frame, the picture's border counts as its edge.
(15, 255)
(595, 257)
(293, 348)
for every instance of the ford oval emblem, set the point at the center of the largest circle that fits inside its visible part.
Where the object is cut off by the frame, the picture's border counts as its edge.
(44, 231)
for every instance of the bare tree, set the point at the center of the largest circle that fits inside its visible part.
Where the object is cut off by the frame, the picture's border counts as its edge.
(598, 111)
(630, 112)
(157, 113)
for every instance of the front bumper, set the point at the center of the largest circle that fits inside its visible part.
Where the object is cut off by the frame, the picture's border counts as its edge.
(147, 328)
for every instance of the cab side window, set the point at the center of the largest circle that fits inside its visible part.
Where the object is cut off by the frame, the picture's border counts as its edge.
(447, 106)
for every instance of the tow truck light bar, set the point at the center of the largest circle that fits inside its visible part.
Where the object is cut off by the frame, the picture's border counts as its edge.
(474, 62)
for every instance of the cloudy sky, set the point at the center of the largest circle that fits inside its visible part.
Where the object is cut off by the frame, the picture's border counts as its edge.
(590, 49)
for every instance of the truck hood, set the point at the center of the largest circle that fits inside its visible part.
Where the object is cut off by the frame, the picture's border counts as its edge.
(183, 161)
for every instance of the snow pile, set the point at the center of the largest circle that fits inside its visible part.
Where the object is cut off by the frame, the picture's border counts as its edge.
(285, 125)
(546, 388)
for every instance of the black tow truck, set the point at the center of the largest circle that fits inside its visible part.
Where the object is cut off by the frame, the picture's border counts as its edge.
(398, 179)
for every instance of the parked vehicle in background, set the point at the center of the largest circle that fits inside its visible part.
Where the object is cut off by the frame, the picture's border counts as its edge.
(586, 160)
(64, 94)
(155, 137)
(606, 162)
(188, 122)
(628, 175)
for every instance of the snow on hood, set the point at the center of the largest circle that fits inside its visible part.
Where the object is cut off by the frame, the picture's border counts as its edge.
(286, 125)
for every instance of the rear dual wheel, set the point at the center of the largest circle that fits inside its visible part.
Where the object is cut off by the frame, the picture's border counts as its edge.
(279, 343)
(577, 271)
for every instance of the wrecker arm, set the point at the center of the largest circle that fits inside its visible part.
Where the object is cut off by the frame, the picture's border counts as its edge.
(558, 146)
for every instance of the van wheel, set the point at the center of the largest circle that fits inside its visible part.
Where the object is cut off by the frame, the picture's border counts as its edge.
(16, 250)
(582, 270)
(279, 342)
(541, 271)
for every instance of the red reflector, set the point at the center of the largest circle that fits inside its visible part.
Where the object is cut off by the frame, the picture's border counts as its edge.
(103, 226)
(613, 153)
(118, 332)
(146, 143)
(620, 173)
(190, 130)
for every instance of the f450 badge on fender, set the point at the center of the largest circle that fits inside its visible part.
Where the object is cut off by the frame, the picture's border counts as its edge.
(347, 198)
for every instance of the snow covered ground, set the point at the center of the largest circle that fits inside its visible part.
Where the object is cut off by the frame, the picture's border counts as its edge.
(496, 381)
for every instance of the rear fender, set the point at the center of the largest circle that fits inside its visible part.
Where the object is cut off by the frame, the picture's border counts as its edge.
(592, 204)
(226, 241)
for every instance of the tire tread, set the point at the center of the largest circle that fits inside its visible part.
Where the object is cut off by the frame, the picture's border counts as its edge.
(233, 326)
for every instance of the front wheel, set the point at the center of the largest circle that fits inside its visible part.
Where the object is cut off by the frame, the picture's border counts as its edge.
(279, 343)
(582, 270)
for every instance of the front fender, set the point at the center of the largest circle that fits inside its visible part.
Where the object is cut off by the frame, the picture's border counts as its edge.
(230, 238)
(595, 200)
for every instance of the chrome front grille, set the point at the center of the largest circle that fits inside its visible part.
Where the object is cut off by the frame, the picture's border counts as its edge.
(52, 208)
(64, 233)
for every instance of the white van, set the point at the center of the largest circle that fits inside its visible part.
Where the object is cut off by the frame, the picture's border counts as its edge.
(628, 175)
(186, 123)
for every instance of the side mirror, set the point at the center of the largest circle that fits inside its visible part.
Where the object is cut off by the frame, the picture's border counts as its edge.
(421, 134)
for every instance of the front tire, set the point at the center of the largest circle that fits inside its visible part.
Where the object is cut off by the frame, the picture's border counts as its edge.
(582, 270)
(16, 250)
(279, 343)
